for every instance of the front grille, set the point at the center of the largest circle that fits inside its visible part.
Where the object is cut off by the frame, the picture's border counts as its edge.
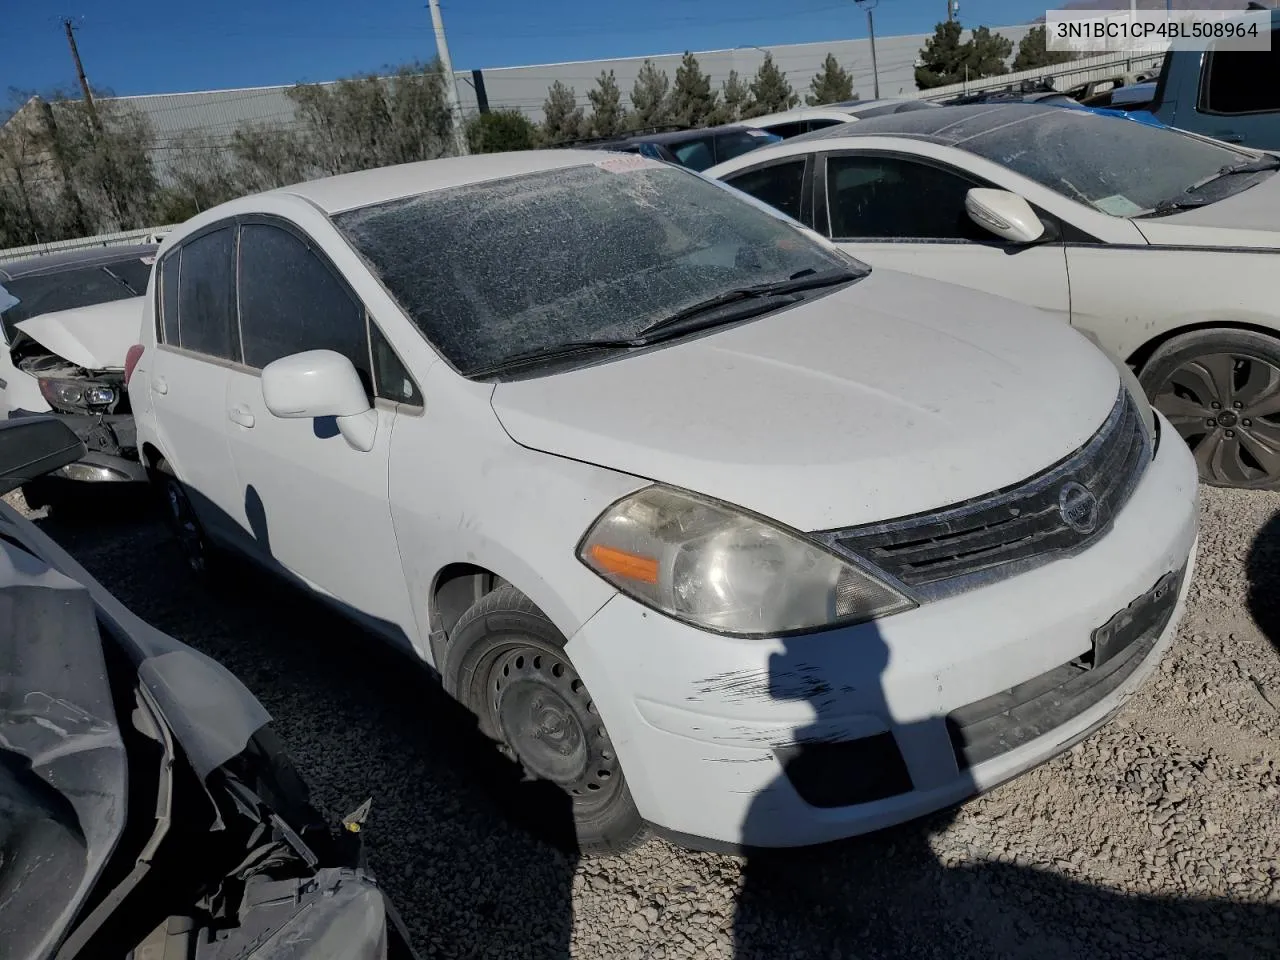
(1010, 530)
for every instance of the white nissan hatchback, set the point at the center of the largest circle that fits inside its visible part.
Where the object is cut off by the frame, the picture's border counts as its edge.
(706, 522)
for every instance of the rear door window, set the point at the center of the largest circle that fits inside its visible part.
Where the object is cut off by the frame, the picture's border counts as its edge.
(1242, 81)
(780, 185)
(291, 301)
(206, 295)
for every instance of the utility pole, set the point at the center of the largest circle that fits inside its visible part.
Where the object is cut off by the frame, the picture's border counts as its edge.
(953, 8)
(451, 82)
(870, 5)
(84, 81)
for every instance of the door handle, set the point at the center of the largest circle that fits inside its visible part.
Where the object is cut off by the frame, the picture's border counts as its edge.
(241, 416)
(159, 385)
(1231, 137)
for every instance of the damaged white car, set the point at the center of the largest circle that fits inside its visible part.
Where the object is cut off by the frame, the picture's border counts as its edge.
(67, 321)
(709, 524)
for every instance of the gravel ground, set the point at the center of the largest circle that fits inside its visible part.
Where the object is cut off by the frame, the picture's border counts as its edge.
(1157, 837)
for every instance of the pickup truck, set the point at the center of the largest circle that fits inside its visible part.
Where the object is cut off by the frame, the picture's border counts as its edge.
(1229, 95)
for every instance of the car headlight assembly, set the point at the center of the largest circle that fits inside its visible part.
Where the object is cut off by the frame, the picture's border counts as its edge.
(716, 567)
(77, 396)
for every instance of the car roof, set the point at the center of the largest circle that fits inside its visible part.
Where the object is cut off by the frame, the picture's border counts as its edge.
(946, 125)
(382, 184)
(66, 260)
(680, 136)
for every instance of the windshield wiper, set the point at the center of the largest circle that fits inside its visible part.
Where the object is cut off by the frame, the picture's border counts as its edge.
(728, 307)
(1172, 206)
(122, 281)
(1188, 201)
(808, 279)
(572, 348)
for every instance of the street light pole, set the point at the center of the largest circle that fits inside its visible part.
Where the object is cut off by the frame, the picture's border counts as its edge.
(870, 5)
(450, 81)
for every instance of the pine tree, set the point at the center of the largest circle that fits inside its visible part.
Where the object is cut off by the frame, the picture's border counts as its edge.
(945, 60)
(562, 116)
(1033, 51)
(770, 91)
(987, 54)
(692, 100)
(607, 115)
(831, 84)
(649, 96)
(941, 57)
(734, 99)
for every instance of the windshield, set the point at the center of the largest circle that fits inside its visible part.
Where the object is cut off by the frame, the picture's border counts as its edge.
(600, 251)
(1116, 166)
(68, 289)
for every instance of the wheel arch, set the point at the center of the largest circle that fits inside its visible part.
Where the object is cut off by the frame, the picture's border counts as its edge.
(1139, 357)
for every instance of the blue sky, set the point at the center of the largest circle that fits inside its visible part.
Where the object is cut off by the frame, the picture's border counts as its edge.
(139, 46)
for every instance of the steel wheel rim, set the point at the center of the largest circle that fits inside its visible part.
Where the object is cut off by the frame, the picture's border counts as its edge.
(1226, 406)
(549, 724)
(184, 522)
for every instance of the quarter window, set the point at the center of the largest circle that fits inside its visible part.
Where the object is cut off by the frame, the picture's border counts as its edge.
(206, 296)
(780, 185)
(392, 380)
(888, 197)
(290, 301)
(1243, 81)
(169, 268)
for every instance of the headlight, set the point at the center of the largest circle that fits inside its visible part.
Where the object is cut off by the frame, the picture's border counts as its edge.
(77, 396)
(712, 566)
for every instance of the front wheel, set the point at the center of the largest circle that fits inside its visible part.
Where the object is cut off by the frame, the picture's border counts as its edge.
(506, 664)
(1220, 389)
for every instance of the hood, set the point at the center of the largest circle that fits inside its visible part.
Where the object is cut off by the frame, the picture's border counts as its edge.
(95, 337)
(893, 396)
(1250, 218)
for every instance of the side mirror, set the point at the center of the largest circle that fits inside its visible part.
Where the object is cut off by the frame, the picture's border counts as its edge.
(1003, 213)
(32, 447)
(321, 383)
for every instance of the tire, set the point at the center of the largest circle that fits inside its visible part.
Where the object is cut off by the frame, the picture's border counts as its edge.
(198, 552)
(1220, 389)
(506, 664)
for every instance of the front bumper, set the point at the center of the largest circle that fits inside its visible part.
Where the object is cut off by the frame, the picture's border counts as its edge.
(111, 449)
(705, 726)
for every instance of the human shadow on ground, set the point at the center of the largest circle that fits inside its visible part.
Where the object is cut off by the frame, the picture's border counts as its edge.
(1262, 569)
(889, 895)
(478, 861)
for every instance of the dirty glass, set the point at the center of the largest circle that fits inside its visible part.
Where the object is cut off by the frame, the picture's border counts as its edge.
(1116, 166)
(493, 269)
(206, 295)
(65, 290)
(291, 302)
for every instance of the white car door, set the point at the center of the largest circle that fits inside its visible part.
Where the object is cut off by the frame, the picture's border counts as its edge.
(196, 344)
(907, 213)
(314, 505)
